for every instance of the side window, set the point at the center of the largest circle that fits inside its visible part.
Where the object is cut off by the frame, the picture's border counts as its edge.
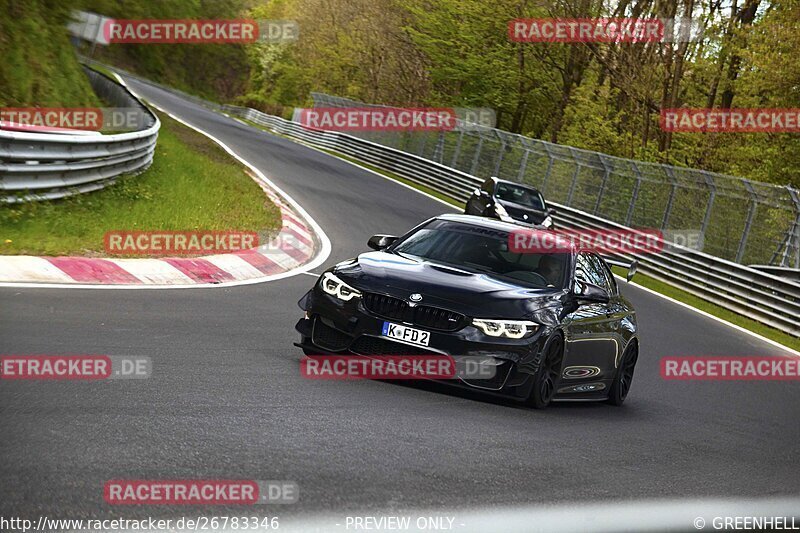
(488, 186)
(608, 278)
(589, 269)
(582, 268)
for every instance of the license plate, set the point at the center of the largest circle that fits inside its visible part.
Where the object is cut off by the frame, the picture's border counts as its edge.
(404, 333)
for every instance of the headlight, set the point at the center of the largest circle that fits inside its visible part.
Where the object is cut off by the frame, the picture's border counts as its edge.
(502, 213)
(512, 329)
(547, 222)
(336, 287)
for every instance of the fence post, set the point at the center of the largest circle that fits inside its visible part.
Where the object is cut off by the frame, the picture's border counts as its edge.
(796, 230)
(474, 166)
(549, 169)
(751, 211)
(634, 195)
(423, 137)
(712, 192)
(523, 165)
(673, 189)
(438, 152)
(500, 155)
(457, 152)
(606, 174)
(574, 177)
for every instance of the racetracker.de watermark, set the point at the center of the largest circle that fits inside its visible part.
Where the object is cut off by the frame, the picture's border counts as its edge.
(379, 119)
(603, 30)
(200, 492)
(730, 368)
(640, 241)
(61, 119)
(183, 243)
(187, 31)
(397, 367)
(74, 367)
(396, 118)
(731, 120)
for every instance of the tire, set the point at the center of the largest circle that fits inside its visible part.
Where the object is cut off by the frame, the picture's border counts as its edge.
(547, 378)
(624, 378)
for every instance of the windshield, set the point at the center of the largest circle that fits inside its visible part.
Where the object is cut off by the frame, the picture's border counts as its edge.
(483, 250)
(517, 194)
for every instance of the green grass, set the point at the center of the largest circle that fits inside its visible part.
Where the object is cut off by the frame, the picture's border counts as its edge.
(192, 185)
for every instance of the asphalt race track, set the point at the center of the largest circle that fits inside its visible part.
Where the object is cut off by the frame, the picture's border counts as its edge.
(226, 399)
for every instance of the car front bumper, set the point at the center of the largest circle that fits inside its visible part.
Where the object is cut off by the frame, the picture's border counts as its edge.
(332, 326)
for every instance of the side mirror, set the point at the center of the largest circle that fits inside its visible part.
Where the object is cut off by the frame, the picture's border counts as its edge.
(632, 270)
(380, 242)
(589, 292)
(477, 192)
(550, 211)
(632, 266)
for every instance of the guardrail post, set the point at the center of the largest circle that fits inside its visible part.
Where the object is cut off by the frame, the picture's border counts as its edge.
(673, 190)
(751, 211)
(634, 195)
(606, 174)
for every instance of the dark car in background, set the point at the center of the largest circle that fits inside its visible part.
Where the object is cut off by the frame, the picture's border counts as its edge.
(510, 202)
(553, 325)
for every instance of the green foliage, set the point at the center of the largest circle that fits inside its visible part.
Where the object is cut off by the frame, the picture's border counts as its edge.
(214, 71)
(604, 97)
(39, 67)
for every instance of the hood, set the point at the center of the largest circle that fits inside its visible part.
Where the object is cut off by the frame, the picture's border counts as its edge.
(475, 295)
(519, 212)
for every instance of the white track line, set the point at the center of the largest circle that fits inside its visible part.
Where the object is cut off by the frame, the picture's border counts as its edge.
(322, 254)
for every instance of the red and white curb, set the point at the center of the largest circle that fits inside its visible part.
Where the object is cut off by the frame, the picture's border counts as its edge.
(293, 247)
(300, 246)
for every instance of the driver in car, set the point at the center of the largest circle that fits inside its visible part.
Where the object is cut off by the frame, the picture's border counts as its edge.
(550, 269)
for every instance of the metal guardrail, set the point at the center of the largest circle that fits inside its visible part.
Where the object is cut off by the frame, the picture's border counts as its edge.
(47, 166)
(744, 221)
(758, 295)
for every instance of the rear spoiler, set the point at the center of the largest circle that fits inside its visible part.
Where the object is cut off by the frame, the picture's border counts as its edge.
(631, 266)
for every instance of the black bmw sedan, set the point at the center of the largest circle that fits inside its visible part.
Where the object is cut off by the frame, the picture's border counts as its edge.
(553, 325)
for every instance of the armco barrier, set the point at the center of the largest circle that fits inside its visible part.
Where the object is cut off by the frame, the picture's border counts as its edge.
(46, 166)
(763, 297)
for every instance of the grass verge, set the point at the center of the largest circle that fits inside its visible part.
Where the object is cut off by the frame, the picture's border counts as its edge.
(192, 185)
(640, 279)
(712, 309)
